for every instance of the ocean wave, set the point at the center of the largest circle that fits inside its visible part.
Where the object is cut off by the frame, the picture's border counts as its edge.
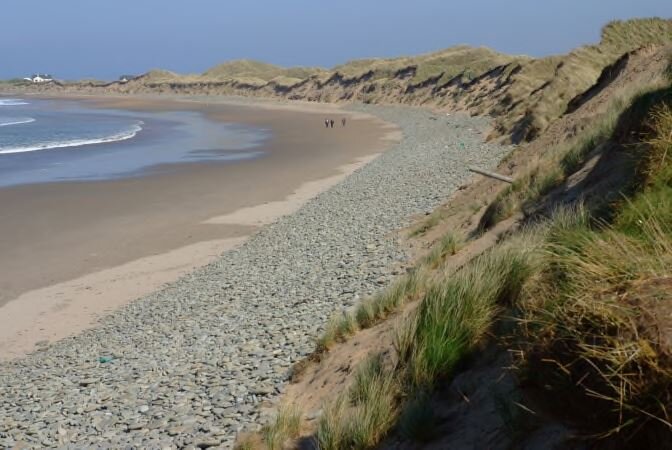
(125, 135)
(12, 102)
(15, 121)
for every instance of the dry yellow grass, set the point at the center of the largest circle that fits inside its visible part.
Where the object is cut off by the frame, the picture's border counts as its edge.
(596, 324)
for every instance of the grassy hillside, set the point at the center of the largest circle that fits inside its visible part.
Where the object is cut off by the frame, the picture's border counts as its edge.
(444, 65)
(543, 87)
(257, 71)
(554, 331)
(158, 76)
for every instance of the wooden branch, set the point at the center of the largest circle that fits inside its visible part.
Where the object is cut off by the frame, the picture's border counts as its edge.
(496, 176)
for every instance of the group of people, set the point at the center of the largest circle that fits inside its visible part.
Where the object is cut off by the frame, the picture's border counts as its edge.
(329, 123)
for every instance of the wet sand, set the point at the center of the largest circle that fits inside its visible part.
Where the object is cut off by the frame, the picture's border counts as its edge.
(70, 252)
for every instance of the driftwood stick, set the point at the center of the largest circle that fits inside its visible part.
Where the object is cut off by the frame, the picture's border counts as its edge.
(496, 176)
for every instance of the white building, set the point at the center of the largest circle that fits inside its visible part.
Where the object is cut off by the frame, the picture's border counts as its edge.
(126, 78)
(40, 78)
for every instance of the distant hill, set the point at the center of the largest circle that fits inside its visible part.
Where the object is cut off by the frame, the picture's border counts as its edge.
(523, 94)
(258, 72)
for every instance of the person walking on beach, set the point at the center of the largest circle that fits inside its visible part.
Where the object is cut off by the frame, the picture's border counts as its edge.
(326, 123)
(332, 123)
(343, 121)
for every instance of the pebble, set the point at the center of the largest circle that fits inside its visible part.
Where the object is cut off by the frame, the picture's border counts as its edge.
(208, 349)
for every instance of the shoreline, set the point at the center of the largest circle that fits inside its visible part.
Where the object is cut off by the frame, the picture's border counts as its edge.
(195, 361)
(76, 301)
(52, 313)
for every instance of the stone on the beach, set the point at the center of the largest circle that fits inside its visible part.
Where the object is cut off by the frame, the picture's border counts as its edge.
(193, 362)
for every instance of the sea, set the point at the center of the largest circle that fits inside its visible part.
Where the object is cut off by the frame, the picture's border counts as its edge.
(47, 141)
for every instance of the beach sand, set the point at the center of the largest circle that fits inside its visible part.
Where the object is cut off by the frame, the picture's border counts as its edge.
(70, 252)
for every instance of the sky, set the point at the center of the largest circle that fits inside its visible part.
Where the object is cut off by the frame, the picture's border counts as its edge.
(74, 39)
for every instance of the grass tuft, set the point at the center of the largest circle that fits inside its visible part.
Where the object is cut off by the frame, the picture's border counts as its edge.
(376, 411)
(449, 245)
(371, 368)
(332, 429)
(373, 310)
(285, 426)
(655, 165)
(404, 336)
(367, 312)
(347, 326)
(360, 418)
(339, 328)
(328, 337)
(457, 312)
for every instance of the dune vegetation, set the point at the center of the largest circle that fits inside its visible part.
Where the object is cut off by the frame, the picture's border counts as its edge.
(596, 318)
(259, 72)
(578, 294)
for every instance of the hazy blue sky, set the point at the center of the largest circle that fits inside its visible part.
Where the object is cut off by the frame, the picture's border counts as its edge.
(107, 38)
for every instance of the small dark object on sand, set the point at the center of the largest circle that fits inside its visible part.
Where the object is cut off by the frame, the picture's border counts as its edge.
(343, 121)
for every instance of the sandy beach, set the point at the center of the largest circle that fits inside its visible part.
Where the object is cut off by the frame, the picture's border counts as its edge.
(191, 364)
(72, 252)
